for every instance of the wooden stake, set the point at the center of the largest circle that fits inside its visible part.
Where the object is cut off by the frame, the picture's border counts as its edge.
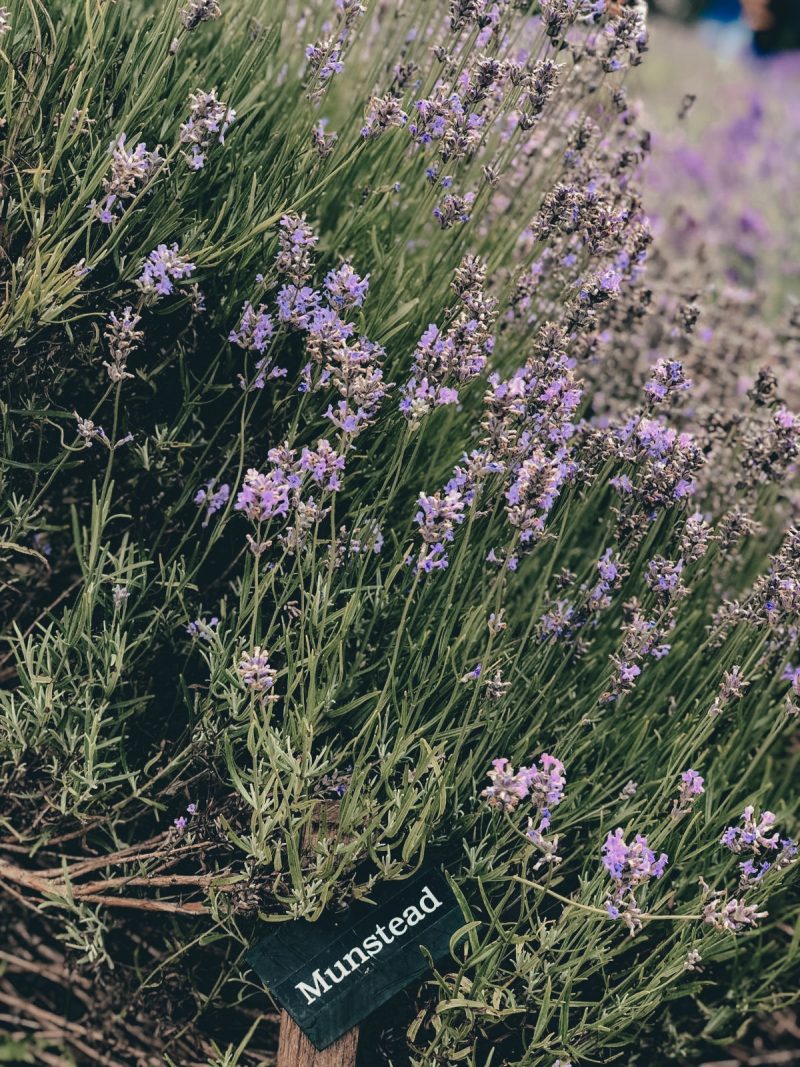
(294, 1048)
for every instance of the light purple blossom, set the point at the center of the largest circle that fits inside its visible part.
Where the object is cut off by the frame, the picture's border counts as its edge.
(345, 289)
(212, 499)
(255, 671)
(323, 464)
(629, 866)
(753, 836)
(453, 209)
(264, 496)
(296, 241)
(131, 171)
(202, 628)
(692, 786)
(508, 787)
(209, 120)
(667, 379)
(255, 329)
(792, 674)
(164, 266)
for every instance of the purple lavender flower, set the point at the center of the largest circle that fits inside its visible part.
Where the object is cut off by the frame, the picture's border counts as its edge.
(323, 464)
(345, 289)
(41, 543)
(629, 866)
(255, 329)
(556, 622)
(437, 518)
(264, 496)
(209, 120)
(297, 305)
(611, 574)
(667, 380)
(325, 59)
(792, 674)
(547, 782)
(162, 267)
(90, 432)
(453, 209)
(545, 786)
(754, 835)
(131, 171)
(507, 788)
(212, 499)
(255, 671)
(383, 113)
(296, 242)
(533, 492)
(628, 672)
(443, 117)
(692, 786)
(202, 629)
(664, 576)
(457, 354)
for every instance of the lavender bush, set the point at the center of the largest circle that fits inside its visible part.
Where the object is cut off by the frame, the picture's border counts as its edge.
(367, 471)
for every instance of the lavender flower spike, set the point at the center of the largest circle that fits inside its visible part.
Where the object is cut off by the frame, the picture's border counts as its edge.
(209, 120)
(255, 671)
(197, 11)
(161, 269)
(507, 788)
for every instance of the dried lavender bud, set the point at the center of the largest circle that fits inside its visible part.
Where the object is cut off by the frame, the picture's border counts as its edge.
(123, 338)
(383, 113)
(323, 142)
(462, 12)
(197, 11)
(731, 914)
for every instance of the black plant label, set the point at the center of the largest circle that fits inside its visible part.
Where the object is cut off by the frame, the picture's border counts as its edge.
(332, 973)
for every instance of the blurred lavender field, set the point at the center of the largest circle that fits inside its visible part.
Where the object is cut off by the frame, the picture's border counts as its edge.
(719, 187)
(723, 177)
(721, 190)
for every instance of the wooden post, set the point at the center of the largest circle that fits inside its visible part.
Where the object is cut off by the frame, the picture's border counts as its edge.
(294, 1048)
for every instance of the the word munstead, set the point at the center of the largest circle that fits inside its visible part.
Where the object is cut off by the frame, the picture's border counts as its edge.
(321, 982)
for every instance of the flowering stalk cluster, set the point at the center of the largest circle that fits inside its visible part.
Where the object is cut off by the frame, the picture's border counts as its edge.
(544, 785)
(131, 172)
(630, 867)
(208, 122)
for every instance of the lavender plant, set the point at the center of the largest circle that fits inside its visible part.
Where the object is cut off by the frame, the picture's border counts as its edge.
(349, 458)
